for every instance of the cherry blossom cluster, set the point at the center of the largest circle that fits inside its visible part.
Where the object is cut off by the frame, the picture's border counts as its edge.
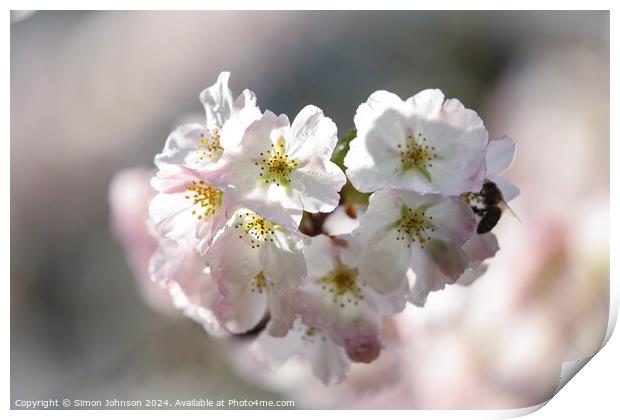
(260, 233)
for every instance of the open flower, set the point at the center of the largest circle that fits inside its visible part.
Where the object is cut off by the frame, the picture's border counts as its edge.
(195, 145)
(402, 229)
(422, 144)
(334, 299)
(256, 264)
(280, 169)
(188, 207)
(185, 273)
(328, 361)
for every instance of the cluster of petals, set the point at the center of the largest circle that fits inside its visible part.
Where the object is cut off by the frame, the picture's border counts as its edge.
(231, 194)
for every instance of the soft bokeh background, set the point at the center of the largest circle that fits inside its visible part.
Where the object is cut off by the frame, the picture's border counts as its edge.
(94, 93)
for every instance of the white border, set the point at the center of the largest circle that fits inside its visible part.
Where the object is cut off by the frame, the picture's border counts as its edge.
(594, 391)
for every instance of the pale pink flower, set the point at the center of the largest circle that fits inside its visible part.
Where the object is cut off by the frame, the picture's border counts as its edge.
(334, 299)
(402, 229)
(197, 146)
(256, 264)
(280, 168)
(423, 144)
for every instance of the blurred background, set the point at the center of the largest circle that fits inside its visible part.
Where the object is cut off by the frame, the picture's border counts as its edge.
(94, 93)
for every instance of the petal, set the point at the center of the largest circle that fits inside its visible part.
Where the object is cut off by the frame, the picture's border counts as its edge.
(339, 222)
(245, 112)
(234, 265)
(283, 261)
(218, 102)
(500, 155)
(375, 105)
(384, 209)
(318, 186)
(373, 159)
(183, 272)
(459, 139)
(388, 304)
(311, 134)
(384, 262)
(509, 190)
(172, 216)
(480, 247)
(234, 260)
(450, 258)
(181, 147)
(319, 256)
(453, 217)
(442, 263)
(282, 312)
(327, 360)
(427, 103)
(472, 274)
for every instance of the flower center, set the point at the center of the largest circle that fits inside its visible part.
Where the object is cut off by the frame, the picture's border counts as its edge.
(415, 154)
(341, 282)
(257, 228)
(308, 333)
(209, 147)
(206, 198)
(259, 283)
(414, 226)
(275, 167)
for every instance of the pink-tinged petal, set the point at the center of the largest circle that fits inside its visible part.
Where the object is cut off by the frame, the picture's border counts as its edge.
(509, 190)
(234, 260)
(376, 105)
(283, 260)
(172, 216)
(472, 274)
(181, 147)
(327, 360)
(500, 155)
(175, 178)
(384, 210)
(384, 262)
(442, 263)
(348, 248)
(311, 135)
(340, 223)
(450, 258)
(235, 267)
(363, 349)
(480, 247)
(453, 217)
(276, 206)
(318, 185)
(388, 304)
(245, 112)
(459, 141)
(281, 311)
(249, 309)
(319, 256)
(373, 160)
(427, 103)
(184, 272)
(261, 134)
(275, 351)
(218, 101)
